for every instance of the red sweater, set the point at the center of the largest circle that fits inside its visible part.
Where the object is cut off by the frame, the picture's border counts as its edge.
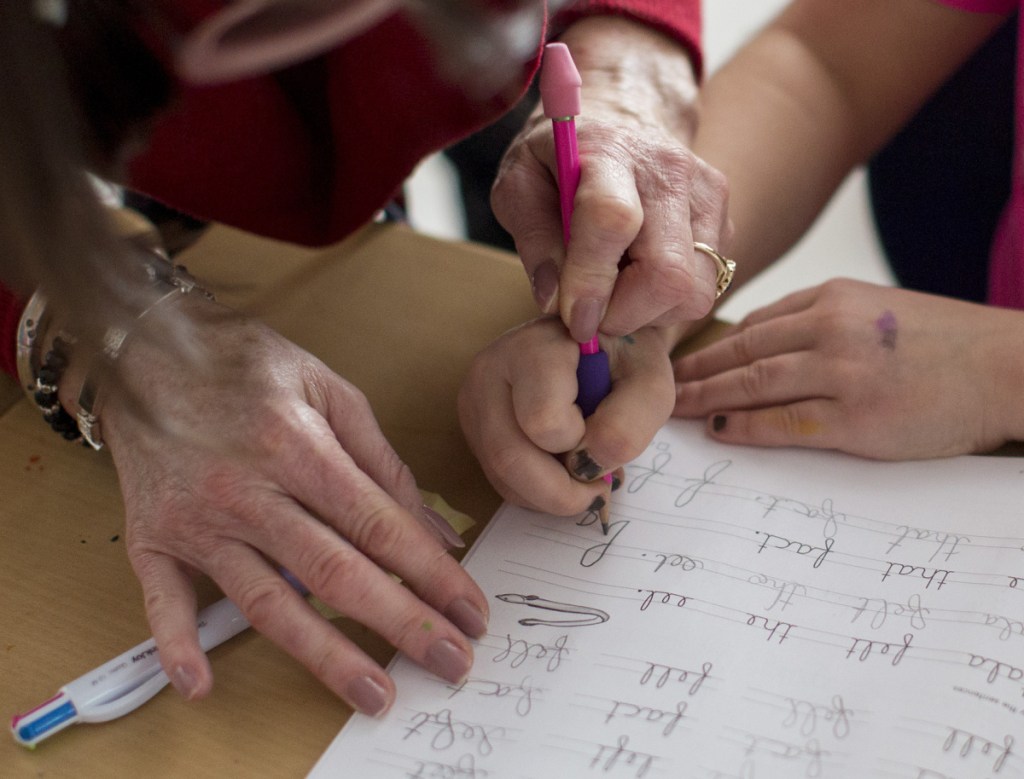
(312, 169)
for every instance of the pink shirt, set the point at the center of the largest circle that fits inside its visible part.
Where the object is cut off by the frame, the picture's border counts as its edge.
(1006, 262)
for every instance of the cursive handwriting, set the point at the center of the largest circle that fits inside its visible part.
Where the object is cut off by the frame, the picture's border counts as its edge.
(448, 731)
(522, 693)
(778, 542)
(881, 609)
(784, 591)
(969, 741)
(648, 714)
(804, 715)
(463, 768)
(661, 458)
(680, 561)
(929, 575)
(662, 674)
(1008, 626)
(664, 597)
(594, 554)
(868, 647)
(518, 651)
(617, 754)
(825, 511)
(695, 486)
(811, 750)
(770, 627)
(946, 543)
(998, 669)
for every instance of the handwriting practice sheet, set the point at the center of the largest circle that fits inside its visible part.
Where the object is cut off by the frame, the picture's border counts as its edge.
(750, 613)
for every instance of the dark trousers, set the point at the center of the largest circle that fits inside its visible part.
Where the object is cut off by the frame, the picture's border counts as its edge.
(938, 189)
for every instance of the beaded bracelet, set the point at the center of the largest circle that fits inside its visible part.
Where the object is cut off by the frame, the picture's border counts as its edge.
(39, 376)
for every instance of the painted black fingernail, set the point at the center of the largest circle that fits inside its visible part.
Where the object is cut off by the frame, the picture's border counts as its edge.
(616, 482)
(718, 423)
(597, 504)
(584, 467)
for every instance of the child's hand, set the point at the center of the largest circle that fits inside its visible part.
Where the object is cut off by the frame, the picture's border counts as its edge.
(518, 412)
(874, 371)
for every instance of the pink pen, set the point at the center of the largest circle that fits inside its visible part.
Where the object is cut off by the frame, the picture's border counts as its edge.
(560, 85)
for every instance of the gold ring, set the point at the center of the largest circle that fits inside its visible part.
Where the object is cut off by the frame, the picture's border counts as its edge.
(726, 267)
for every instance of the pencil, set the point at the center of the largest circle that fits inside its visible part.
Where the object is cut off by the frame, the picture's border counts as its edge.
(560, 86)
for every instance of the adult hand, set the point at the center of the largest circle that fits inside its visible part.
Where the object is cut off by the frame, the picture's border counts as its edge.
(874, 371)
(643, 197)
(518, 413)
(253, 456)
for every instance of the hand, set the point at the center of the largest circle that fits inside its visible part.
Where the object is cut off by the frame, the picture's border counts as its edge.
(874, 371)
(518, 413)
(253, 456)
(642, 194)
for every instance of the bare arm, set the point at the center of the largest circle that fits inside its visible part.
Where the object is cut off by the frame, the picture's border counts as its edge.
(813, 95)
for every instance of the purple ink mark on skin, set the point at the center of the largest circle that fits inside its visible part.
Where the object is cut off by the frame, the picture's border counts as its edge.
(886, 325)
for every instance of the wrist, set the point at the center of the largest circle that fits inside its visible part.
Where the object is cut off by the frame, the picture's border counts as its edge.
(43, 352)
(650, 78)
(1005, 369)
(167, 284)
(66, 361)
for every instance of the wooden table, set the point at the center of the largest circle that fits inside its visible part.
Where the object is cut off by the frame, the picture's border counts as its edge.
(398, 314)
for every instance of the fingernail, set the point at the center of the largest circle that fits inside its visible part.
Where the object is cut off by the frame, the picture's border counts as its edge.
(718, 423)
(184, 682)
(597, 504)
(447, 661)
(616, 481)
(584, 319)
(465, 615)
(583, 465)
(366, 695)
(445, 532)
(545, 285)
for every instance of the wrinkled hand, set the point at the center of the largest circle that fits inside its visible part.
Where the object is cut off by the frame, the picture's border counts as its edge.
(874, 371)
(518, 413)
(265, 459)
(642, 194)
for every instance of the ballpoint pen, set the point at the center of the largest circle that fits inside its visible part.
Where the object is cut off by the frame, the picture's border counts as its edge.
(126, 682)
(560, 86)
(122, 684)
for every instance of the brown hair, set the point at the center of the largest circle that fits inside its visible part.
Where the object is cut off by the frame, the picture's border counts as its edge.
(72, 98)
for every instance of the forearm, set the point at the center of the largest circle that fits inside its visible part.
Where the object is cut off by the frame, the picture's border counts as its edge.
(812, 96)
(637, 72)
(778, 128)
(1001, 373)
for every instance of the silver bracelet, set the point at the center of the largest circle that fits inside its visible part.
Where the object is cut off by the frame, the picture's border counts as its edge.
(31, 326)
(177, 282)
(40, 374)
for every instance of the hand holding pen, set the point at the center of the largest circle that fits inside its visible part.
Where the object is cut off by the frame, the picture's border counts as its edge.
(515, 405)
(560, 85)
(643, 200)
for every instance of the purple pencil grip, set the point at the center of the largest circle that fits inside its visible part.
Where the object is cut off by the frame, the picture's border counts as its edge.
(593, 377)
